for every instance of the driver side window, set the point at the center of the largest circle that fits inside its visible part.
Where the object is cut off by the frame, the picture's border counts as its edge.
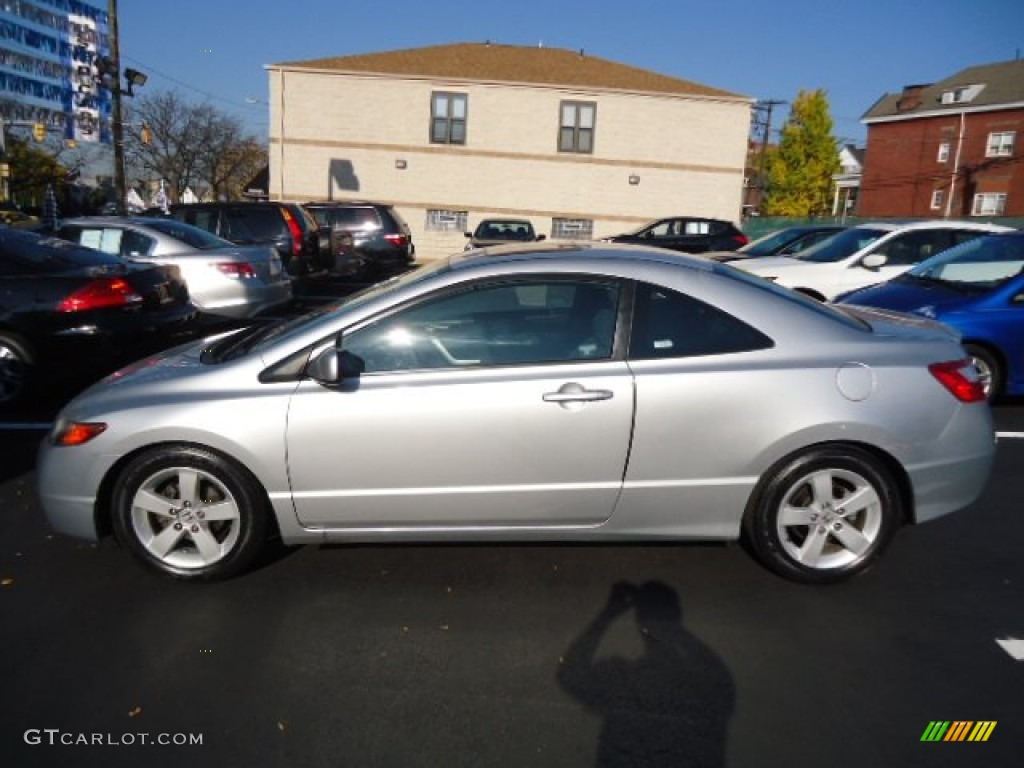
(510, 323)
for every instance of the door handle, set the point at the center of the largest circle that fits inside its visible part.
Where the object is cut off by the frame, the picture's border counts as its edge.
(574, 393)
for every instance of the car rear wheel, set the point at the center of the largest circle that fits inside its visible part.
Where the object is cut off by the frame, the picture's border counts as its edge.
(190, 513)
(989, 370)
(824, 515)
(16, 364)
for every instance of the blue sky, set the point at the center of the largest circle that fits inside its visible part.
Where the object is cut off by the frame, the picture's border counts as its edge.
(215, 50)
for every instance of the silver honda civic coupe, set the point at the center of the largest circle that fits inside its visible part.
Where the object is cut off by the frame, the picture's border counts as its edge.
(542, 392)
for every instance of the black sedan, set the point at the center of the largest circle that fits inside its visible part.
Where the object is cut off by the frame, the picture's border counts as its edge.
(68, 309)
(689, 234)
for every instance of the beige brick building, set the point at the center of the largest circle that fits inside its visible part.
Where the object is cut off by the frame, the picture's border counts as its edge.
(582, 146)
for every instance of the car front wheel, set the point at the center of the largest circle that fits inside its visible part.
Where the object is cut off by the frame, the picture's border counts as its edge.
(190, 513)
(824, 515)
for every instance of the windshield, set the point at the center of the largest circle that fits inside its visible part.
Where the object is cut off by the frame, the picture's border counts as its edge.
(194, 237)
(841, 245)
(769, 244)
(504, 230)
(984, 261)
(834, 312)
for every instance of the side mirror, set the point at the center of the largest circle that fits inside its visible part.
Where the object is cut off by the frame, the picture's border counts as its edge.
(468, 234)
(333, 366)
(874, 261)
(541, 237)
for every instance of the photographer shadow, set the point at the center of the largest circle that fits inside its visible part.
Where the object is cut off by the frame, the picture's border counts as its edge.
(671, 706)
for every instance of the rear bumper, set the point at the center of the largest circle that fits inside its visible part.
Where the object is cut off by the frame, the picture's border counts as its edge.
(957, 479)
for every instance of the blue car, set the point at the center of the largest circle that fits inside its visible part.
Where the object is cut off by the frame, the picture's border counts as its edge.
(977, 288)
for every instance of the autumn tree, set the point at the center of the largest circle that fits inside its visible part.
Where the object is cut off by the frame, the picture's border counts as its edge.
(190, 145)
(800, 171)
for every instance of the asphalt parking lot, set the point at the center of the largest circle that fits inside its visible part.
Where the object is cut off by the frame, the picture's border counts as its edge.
(416, 655)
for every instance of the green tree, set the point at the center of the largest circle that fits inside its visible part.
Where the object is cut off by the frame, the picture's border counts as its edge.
(33, 167)
(800, 171)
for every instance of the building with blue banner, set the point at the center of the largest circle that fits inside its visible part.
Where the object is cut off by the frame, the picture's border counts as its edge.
(52, 54)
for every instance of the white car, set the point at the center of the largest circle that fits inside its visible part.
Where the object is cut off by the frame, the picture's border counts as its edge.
(864, 255)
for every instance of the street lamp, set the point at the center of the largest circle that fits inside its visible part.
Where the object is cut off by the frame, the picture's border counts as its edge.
(134, 77)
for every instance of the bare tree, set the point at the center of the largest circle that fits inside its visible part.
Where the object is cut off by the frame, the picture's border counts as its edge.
(190, 145)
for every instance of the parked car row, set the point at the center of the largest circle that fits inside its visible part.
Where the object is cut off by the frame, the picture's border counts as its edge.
(343, 238)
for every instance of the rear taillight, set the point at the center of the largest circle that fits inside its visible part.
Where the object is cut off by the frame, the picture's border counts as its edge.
(240, 270)
(398, 240)
(961, 378)
(101, 293)
(741, 239)
(296, 230)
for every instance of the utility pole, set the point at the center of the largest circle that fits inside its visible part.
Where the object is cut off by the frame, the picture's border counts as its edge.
(117, 125)
(763, 124)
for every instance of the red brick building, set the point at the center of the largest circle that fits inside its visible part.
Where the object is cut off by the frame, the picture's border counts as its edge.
(948, 149)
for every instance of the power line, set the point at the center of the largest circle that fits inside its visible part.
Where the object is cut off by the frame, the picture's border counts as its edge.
(189, 86)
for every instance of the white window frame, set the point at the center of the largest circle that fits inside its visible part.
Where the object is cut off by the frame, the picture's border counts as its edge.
(943, 156)
(1000, 144)
(937, 199)
(577, 126)
(449, 112)
(989, 204)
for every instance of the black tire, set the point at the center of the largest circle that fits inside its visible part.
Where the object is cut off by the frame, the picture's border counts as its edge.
(989, 369)
(224, 512)
(17, 369)
(796, 522)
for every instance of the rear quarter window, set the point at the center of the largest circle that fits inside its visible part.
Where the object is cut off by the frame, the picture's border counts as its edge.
(669, 324)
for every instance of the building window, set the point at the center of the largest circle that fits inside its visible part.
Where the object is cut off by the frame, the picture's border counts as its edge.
(448, 118)
(576, 126)
(937, 196)
(989, 204)
(572, 229)
(447, 221)
(1000, 144)
(943, 152)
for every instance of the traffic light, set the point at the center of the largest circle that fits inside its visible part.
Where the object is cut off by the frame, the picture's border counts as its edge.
(39, 132)
(106, 72)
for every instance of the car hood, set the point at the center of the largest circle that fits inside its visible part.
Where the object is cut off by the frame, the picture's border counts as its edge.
(908, 294)
(761, 265)
(174, 373)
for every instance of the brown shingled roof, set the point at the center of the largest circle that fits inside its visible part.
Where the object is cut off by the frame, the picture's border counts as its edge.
(489, 62)
(1003, 81)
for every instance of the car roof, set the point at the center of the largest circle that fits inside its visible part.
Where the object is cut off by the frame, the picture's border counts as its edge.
(904, 224)
(555, 253)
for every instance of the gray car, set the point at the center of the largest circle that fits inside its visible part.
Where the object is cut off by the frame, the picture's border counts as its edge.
(533, 393)
(502, 231)
(223, 278)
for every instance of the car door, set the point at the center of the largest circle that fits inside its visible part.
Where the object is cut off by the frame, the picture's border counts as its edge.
(507, 405)
(902, 252)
